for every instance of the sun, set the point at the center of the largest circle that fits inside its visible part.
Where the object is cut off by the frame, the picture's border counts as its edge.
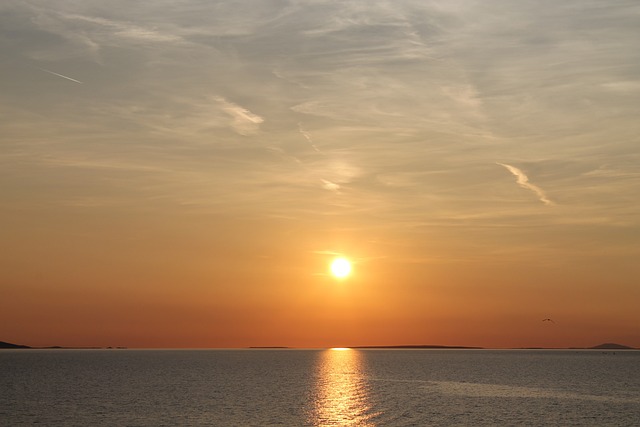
(340, 268)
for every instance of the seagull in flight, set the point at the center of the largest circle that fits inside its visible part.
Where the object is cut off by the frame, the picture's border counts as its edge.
(548, 320)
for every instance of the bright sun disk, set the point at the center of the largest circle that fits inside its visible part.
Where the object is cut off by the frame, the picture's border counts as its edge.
(340, 268)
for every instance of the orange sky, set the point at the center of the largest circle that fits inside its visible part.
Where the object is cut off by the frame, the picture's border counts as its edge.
(182, 287)
(183, 176)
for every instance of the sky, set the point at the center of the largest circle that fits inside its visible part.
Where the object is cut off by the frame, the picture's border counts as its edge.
(181, 173)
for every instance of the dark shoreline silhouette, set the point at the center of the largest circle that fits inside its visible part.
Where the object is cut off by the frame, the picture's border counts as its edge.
(604, 346)
(269, 347)
(611, 346)
(8, 345)
(410, 346)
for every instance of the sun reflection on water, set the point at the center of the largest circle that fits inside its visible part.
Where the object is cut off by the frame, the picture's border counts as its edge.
(341, 396)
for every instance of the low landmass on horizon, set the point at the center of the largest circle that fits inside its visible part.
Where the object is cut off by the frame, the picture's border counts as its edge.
(8, 345)
(603, 346)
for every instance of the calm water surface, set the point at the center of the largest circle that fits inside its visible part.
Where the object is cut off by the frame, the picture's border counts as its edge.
(319, 387)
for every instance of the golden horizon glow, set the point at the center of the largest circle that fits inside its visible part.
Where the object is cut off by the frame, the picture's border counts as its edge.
(340, 268)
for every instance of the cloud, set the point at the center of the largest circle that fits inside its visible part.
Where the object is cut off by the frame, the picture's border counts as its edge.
(465, 95)
(244, 121)
(523, 181)
(322, 252)
(307, 136)
(331, 186)
(397, 109)
(623, 86)
(127, 30)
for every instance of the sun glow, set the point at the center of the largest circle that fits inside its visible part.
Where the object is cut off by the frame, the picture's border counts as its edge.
(340, 268)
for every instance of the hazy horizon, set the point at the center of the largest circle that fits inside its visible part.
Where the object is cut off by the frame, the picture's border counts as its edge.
(181, 173)
(406, 346)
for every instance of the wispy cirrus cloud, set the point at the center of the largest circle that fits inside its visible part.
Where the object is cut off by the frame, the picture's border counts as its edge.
(307, 136)
(244, 121)
(523, 181)
(331, 186)
(79, 31)
(126, 30)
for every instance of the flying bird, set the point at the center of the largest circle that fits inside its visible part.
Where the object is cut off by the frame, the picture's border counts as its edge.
(548, 320)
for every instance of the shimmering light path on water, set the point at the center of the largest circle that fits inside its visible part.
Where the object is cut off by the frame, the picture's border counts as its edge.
(342, 391)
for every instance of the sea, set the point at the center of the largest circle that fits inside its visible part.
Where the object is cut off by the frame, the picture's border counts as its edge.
(332, 387)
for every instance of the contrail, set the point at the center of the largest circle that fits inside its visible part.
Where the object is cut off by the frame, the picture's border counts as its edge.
(60, 75)
(523, 181)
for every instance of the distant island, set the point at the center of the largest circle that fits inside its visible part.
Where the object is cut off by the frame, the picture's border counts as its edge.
(267, 347)
(8, 345)
(605, 346)
(410, 346)
(611, 346)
